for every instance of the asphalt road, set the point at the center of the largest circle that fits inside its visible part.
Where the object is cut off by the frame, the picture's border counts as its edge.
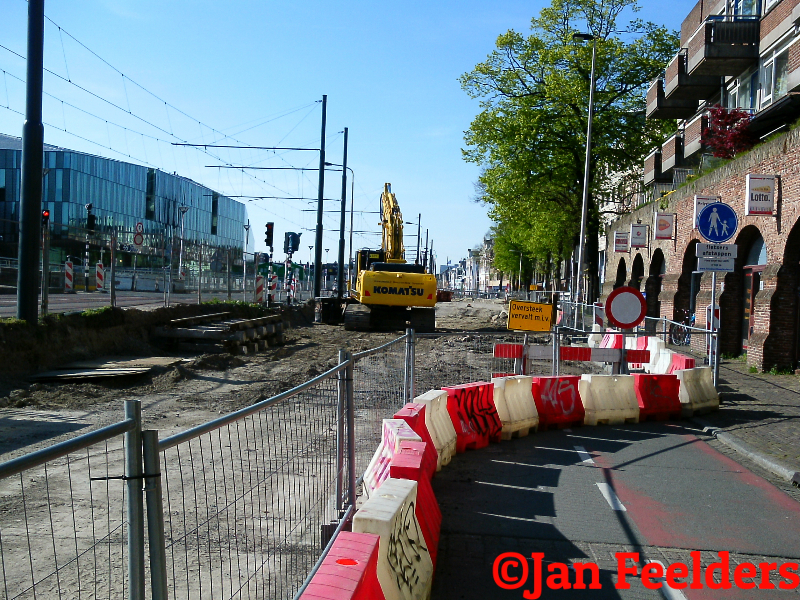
(80, 301)
(587, 494)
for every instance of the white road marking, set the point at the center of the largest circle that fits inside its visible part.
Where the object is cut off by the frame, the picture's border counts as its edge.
(611, 497)
(508, 517)
(584, 455)
(665, 590)
(512, 487)
(509, 462)
(597, 439)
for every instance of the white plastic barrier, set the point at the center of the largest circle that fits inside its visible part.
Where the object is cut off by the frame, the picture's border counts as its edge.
(513, 400)
(697, 392)
(663, 362)
(656, 347)
(440, 426)
(596, 336)
(608, 399)
(405, 569)
(394, 431)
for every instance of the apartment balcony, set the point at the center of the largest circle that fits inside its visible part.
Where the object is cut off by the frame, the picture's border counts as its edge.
(652, 169)
(723, 47)
(693, 134)
(679, 85)
(658, 107)
(671, 154)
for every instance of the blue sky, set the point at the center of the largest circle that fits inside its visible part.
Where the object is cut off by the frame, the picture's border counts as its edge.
(254, 71)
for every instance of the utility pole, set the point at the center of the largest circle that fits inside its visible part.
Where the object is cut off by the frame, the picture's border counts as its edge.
(425, 256)
(340, 273)
(320, 201)
(31, 176)
(419, 234)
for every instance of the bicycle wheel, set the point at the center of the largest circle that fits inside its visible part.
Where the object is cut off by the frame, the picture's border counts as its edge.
(678, 335)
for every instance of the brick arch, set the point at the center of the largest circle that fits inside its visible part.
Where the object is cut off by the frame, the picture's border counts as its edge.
(731, 301)
(637, 272)
(622, 273)
(652, 285)
(682, 300)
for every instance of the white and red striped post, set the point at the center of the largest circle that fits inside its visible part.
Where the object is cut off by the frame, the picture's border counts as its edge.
(99, 276)
(259, 288)
(69, 281)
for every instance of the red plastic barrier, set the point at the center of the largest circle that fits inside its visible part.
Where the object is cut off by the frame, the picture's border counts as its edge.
(611, 341)
(475, 419)
(657, 396)
(408, 464)
(680, 362)
(349, 571)
(575, 353)
(413, 413)
(508, 350)
(637, 356)
(557, 401)
(641, 344)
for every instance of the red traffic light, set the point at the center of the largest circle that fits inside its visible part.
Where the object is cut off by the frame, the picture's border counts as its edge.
(45, 214)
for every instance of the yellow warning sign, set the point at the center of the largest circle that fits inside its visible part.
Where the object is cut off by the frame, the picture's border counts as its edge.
(529, 316)
(534, 286)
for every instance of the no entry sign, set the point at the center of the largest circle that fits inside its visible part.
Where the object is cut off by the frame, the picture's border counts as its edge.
(625, 307)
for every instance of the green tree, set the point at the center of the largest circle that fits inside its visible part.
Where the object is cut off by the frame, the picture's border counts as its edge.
(530, 135)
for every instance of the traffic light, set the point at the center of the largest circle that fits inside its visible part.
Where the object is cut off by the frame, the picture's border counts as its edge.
(268, 234)
(294, 239)
(45, 218)
(91, 220)
(286, 242)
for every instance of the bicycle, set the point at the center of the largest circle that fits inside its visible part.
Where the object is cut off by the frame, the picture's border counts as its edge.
(680, 334)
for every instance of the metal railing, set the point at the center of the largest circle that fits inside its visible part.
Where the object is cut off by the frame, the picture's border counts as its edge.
(243, 505)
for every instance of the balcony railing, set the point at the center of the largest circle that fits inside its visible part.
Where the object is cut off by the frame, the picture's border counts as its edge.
(693, 134)
(723, 46)
(672, 153)
(659, 107)
(679, 85)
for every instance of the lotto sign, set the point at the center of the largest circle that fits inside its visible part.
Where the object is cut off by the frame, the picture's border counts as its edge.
(760, 195)
(529, 316)
(665, 226)
(621, 241)
(700, 202)
(638, 236)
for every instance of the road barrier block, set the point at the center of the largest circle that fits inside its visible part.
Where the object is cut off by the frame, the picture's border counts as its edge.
(657, 396)
(697, 392)
(394, 431)
(681, 362)
(663, 362)
(611, 341)
(408, 464)
(513, 401)
(413, 414)
(405, 569)
(596, 337)
(641, 344)
(608, 399)
(349, 571)
(475, 419)
(558, 402)
(656, 347)
(440, 427)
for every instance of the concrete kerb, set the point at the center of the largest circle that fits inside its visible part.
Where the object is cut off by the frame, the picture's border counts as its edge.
(730, 440)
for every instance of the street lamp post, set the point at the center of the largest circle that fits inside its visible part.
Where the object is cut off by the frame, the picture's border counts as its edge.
(585, 202)
(244, 260)
(345, 168)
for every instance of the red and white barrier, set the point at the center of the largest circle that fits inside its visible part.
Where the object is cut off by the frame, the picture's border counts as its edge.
(405, 568)
(657, 396)
(99, 277)
(414, 415)
(349, 571)
(513, 401)
(681, 362)
(608, 399)
(69, 279)
(474, 417)
(558, 401)
(394, 431)
(440, 426)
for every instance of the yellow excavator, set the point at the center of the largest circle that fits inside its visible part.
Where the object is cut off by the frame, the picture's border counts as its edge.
(389, 293)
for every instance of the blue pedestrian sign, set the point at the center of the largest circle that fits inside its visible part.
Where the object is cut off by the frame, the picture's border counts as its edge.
(717, 222)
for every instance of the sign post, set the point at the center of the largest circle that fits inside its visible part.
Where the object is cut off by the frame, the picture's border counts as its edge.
(529, 316)
(625, 308)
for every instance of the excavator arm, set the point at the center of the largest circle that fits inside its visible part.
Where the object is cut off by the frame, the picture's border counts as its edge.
(392, 226)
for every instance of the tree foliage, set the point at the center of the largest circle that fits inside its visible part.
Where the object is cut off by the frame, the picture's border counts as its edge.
(530, 135)
(728, 132)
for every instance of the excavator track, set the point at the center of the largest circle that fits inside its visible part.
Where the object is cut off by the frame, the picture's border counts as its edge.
(360, 317)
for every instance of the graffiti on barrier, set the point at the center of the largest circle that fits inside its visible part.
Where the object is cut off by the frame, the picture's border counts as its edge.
(406, 550)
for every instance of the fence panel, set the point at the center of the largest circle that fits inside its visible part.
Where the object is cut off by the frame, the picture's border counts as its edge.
(247, 498)
(64, 522)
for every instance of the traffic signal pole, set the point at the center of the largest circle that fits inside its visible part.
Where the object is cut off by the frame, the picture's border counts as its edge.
(31, 167)
(340, 273)
(45, 261)
(320, 201)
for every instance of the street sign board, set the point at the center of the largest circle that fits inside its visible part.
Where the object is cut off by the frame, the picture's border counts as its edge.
(725, 265)
(529, 316)
(638, 236)
(716, 250)
(665, 226)
(717, 222)
(760, 198)
(626, 307)
(621, 239)
(700, 202)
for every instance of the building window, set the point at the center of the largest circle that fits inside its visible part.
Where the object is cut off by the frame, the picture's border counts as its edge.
(214, 212)
(774, 74)
(743, 91)
(746, 7)
(150, 198)
(768, 4)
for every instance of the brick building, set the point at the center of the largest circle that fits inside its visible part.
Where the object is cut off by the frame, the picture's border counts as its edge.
(740, 54)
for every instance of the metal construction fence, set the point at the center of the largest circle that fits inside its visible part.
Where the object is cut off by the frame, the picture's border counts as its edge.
(241, 506)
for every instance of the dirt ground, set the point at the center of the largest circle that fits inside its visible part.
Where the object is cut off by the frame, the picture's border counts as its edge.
(200, 387)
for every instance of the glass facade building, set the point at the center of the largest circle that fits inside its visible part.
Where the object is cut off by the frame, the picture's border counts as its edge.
(122, 195)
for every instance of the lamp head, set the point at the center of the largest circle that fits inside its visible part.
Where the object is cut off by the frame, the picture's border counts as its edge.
(582, 37)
